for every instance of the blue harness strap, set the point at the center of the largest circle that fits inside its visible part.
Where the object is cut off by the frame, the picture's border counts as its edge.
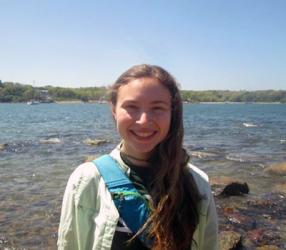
(131, 205)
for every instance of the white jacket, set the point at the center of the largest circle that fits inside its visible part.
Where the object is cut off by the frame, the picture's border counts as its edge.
(89, 216)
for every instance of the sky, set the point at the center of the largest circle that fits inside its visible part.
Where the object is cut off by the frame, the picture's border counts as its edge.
(204, 44)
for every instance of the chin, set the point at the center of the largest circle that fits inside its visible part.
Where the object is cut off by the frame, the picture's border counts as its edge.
(143, 150)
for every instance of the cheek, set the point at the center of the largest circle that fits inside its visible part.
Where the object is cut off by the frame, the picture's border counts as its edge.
(165, 123)
(122, 119)
(166, 119)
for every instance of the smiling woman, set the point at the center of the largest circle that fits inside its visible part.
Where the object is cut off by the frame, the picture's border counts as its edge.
(173, 206)
(142, 114)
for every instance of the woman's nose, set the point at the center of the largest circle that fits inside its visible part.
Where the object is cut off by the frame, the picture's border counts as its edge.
(143, 118)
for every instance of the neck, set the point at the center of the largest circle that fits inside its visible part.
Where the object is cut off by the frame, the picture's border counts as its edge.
(134, 160)
(142, 159)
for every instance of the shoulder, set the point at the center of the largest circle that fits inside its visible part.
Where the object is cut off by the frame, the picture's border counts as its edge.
(88, 174)
(198, 173)
(200, 177)
(84, 172)
(84, 183)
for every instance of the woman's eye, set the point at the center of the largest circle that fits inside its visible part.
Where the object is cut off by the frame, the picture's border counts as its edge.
(131, 107)
(158, 108)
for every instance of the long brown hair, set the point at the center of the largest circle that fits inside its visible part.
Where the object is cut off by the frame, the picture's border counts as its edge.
(174, 217)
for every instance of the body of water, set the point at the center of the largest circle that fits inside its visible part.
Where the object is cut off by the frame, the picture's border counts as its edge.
(42, 144)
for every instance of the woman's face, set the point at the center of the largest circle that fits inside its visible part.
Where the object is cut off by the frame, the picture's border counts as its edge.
(143, 115)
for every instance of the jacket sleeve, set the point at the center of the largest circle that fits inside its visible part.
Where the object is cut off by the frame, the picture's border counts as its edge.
(67, 228)
(75, 228)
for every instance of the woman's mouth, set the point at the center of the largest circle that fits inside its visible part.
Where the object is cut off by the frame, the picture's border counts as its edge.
(143, 135)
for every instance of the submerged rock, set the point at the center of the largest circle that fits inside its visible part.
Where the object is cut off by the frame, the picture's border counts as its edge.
(94, 142)
(51, 141)
(230, 240)
(234, 216)
(259, 219)
(272, 204)
(267, 247)
(234, 189)
(262, 238)
(255, 234)
(15, 147)
(249, 125)
(277, 169)
(89, 158)
(201, 155)
(280, 188)
(3, 146)
(3, 240)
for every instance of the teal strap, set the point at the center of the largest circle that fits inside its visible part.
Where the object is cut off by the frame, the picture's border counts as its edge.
(112, 174)
(131, 205)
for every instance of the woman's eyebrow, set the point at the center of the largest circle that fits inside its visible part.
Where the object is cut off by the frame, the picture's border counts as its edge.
(130, 101)
(155, 102)
(161, 102)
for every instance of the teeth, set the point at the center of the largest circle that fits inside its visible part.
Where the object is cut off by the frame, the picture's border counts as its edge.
(143, 134)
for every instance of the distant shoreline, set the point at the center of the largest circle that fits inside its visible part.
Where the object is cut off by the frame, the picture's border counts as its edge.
(105, 102)
(238, 102)
(18, 93)
(79, 102)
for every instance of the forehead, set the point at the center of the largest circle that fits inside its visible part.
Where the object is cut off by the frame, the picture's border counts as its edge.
(148, 89)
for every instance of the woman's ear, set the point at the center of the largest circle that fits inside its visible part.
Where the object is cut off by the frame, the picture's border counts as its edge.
(112, 107)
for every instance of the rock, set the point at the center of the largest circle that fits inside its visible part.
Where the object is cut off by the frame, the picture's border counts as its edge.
(51, 141)
(229, 240)
(277, 169)
(235, 217)
(222, 180)
(14, 147)
(3, 240)
(219, 182)
(267, 247)
(90, 158)
(234, 189)
(249, 125)
(3, 146)
(94, 142)
(280, 188)
(255, 235)
(263, 238)
(200, 154)
(271, 206)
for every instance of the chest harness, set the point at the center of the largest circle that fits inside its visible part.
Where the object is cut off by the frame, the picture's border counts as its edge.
(132, 206)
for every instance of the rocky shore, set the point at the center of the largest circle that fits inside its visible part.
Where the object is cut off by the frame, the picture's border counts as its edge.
(247, 221)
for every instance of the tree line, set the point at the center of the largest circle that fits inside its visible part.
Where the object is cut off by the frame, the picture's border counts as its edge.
(16, 92)
(234, 96)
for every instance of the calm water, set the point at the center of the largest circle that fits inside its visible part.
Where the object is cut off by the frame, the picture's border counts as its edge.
(223, 139)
